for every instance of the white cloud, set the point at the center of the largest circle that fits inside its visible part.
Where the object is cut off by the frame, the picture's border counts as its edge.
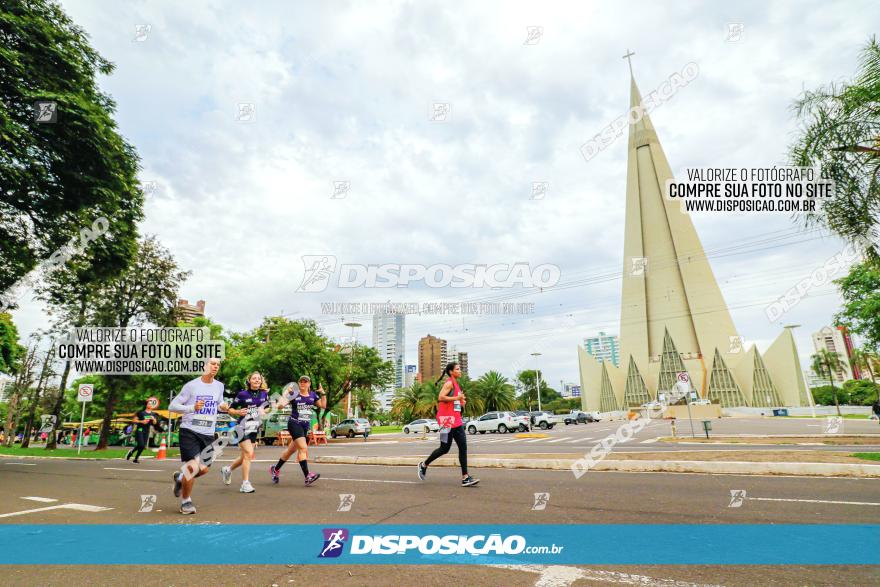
(343, 92)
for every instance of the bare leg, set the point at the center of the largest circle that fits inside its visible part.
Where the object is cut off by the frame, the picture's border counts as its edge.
(188, 482)
(247, 455)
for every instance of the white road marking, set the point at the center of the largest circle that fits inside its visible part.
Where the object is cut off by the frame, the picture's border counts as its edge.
(583, 439)
(131, 469)
(813, 501)
(649, 441)
(41, 499)
(559, 439)
(537, 440)
(23, 464)
(561, 576)
(65, 506)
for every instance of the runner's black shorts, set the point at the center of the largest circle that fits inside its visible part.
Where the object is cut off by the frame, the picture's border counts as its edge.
(297, 429)
(192, 444)
(252, 437)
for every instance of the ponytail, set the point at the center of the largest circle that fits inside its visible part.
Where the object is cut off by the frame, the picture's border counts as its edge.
(450, 367)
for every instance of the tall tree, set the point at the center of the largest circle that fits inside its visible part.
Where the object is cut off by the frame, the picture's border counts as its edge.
(146, 291)
(63, 163)
(10, 350)
(24, 378)
(46, 373)
(825, 364)
(841, 135)
(863, 359)
(860, 290)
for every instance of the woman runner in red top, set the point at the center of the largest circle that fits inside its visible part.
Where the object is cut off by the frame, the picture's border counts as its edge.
(450, 404)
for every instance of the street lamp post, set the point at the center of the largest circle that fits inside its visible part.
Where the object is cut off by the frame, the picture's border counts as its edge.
(538, 379)
(352, 325)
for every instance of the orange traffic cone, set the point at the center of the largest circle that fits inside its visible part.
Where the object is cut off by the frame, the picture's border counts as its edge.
(162, 449)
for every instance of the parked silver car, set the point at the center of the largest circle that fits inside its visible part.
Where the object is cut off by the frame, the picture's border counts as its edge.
(351, 428)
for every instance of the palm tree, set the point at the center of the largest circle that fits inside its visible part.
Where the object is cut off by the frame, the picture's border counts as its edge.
(867, 360)
(841, 135)
(405, 403)
(826, 364)
(495, 392)
(365, 400)
(428, 393)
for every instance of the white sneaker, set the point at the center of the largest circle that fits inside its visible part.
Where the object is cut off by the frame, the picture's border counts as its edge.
(226, 474)
(246, 487)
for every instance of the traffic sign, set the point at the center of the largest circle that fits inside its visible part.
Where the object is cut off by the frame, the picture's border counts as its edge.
(684, 377)
(152, 402)
(85, 392)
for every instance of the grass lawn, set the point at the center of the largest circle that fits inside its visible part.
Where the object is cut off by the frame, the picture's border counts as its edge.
(381, 429)
(88, 452)
(870, 456)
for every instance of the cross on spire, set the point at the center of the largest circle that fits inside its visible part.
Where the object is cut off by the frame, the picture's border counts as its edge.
(628, 56)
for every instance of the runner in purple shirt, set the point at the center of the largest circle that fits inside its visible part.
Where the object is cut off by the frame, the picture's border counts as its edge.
(250, 405)
(302, 404)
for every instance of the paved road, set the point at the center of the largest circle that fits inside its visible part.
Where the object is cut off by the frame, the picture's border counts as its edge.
(394, 495)
(579, 439)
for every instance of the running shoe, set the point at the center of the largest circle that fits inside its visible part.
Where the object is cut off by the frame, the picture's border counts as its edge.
(469, 481)
(226, 474)
(187, 507)
(423, 470)
(246, 487)
(135, 461)
(312, 477)
(276, 474)
(177, 483)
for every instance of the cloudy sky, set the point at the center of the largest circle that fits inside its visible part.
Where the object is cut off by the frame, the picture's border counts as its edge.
(344, 92)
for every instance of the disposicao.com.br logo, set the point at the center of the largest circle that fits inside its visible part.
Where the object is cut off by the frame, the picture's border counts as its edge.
(402, 544)
(319, 269)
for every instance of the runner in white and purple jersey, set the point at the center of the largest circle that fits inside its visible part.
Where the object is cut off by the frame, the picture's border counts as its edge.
(250, 405)
(302, 402)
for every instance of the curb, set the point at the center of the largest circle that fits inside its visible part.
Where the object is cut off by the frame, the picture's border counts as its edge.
(716, 467)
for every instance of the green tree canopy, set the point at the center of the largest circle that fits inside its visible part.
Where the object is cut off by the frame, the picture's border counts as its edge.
(57, 177)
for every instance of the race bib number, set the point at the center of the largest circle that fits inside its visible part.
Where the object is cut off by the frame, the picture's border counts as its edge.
(456, 406)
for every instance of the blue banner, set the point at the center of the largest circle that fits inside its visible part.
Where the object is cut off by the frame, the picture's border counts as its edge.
(574, 544)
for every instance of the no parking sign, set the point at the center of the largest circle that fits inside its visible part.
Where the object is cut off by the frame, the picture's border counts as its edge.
(85, 392)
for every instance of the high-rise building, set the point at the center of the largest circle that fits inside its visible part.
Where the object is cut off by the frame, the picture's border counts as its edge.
(410, 376)
(186, 312)
(389, 336)
(5, 386)
(460, 357)
(673, 317)
(570, 390)
(432, 358)
(836, 340)
(814, 380)
(604, 348)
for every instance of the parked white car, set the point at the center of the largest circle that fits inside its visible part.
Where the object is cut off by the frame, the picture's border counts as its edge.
(421, 426)
(500, 422)
(545, 420)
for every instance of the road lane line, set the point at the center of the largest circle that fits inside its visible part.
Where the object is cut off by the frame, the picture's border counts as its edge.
(559, 439)
(22, 464)
(649, 441)
(131, 469)
(813, 501)
(584, 439)
(41, 499)
(65, 506)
